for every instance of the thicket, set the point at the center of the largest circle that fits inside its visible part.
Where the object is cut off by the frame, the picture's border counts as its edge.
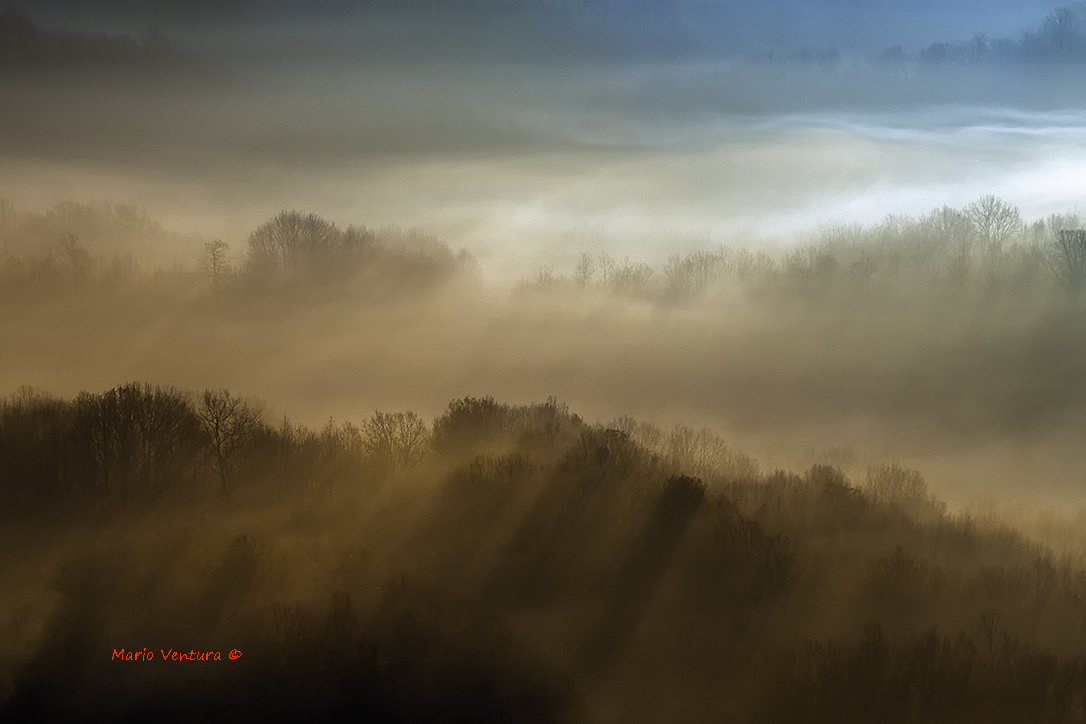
(507, 563)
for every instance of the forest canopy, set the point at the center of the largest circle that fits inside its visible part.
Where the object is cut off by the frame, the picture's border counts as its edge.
(541, 567)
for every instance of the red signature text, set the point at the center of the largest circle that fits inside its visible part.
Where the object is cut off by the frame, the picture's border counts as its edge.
(171, 655)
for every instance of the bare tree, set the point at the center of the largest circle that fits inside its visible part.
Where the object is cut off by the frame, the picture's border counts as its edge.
(135, 442)
(77, 255)
(1059, 32)
(694, 273)
(631, 277)
(1069, 261)
(995, 221)
(951, 225)
(229, 425)
(586, 269)
(545, 277)
(398, 439)
(906, 488)
(607, 265)
(216, 260)
(293, 243)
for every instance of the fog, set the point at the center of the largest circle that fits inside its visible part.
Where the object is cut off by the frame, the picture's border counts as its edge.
(515, 158)
(559, 342)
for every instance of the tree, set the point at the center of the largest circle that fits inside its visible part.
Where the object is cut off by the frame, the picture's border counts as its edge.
(293, 244)
(695, 273)
(545, 277)
(586, 269)
(397, 439)
(471, 423)
(906, 488)
(34, 429)
(607, 265)
(229, 426)
(77, 255)
(215, 261)
(995, 221)
(1059, 33)
(135, 442)
(1069, 262)
(631, 277)
(950, 224)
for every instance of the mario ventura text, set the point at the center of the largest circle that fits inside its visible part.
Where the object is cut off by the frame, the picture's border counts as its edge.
(166, 655)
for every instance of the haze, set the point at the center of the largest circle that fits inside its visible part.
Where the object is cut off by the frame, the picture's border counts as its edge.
(827, 234)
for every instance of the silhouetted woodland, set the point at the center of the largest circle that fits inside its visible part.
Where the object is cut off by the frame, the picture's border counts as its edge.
(97, 248)
(504, 563)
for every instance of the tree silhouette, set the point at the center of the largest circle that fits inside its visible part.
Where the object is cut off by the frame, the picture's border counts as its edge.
(292, 244)
(229, 425)
(396, 439)
(995, 221)
(216, 261)
(1069, 261)
(586, 269)
(470, 422)
(77, 255)
(135, 442)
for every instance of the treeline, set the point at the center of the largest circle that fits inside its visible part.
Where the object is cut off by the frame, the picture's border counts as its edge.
(985, 247)
(1060, 38)
(24, 44)
(90, 247)
(107, 227)
(137, 445)
(551, 569)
